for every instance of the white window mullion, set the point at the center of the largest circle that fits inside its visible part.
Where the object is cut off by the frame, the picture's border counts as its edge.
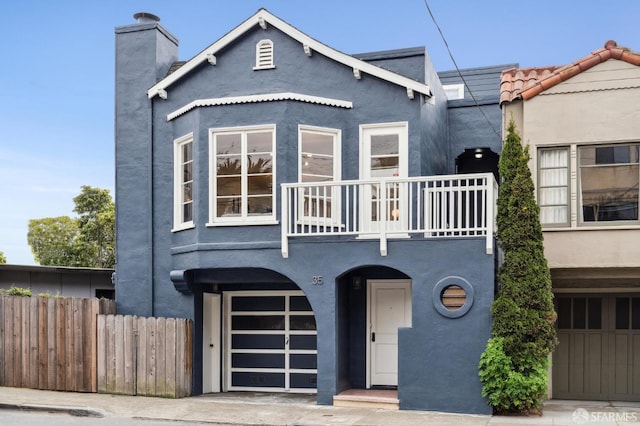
(243, 171)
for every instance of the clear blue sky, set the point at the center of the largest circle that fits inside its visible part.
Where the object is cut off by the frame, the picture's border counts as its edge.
(56, 95)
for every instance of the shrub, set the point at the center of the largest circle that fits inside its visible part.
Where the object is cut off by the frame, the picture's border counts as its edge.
(509, 390)
(18, 291)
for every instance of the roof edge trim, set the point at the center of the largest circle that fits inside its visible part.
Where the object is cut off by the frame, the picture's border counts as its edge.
(267, 97)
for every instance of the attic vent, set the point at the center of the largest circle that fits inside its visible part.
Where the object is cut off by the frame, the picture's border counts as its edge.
(264, 55)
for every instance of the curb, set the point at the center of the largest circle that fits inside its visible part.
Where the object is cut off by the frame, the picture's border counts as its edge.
(73, 411)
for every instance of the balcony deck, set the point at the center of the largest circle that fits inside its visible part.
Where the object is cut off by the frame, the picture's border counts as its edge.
(446, 206)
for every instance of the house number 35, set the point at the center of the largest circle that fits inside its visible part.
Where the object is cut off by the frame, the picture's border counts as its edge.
(317, 280)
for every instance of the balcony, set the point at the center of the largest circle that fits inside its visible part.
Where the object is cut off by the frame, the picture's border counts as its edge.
(453, 206)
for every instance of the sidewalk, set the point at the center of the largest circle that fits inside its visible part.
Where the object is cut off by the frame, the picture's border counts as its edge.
(278, 409)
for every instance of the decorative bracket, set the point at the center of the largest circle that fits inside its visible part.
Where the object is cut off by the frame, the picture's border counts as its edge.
(180, 281)
(307, 49)
(356, 74)
(262, 22)
(212, 59)
(410, 93)
(162, 93)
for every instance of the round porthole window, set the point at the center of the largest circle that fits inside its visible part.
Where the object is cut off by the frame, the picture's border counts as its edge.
(453, 297)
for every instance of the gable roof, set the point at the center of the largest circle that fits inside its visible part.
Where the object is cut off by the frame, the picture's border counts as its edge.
(262, 17)
(525, 83)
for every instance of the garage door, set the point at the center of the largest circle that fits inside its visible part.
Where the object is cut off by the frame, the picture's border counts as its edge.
(270, 342)
(598, 356)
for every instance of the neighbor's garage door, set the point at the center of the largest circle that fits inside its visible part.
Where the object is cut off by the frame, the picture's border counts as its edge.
(598, 356)
(270, 342)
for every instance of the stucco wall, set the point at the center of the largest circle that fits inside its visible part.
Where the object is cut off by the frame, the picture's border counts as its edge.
(599, 105)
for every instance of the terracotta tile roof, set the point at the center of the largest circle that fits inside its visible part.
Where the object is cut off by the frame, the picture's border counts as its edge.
(525, 83)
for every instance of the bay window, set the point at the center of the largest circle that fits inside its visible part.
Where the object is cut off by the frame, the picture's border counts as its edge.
(609, 177)
(242, 175)
(183, 182)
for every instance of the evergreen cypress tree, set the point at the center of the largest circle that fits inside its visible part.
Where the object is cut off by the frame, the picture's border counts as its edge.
(523, 313)
(513, 368)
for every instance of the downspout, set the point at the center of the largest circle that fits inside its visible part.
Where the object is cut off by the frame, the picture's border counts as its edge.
(151, 212)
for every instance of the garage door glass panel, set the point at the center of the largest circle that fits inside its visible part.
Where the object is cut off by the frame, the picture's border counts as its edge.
(303, 381)
(303, 361)
(635, 313)
(303, 342)
(258, 322)
(564, 313)
(579, 313)
(622, 313)
(302, 322)
(251, 379)
(595, 313)
(299, 303)
(244, 360)
(257, 341)
(257, 304)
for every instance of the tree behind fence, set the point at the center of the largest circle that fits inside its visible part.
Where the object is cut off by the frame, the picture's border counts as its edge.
(49, 343)
(144, 356)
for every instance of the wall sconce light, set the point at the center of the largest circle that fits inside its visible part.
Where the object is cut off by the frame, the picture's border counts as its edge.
(356, 283)
(478, 153)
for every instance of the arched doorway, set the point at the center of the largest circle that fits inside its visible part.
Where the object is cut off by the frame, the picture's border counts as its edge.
(259, 332)
(373, 303)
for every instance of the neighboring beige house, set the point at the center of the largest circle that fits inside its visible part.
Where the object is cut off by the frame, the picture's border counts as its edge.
(582, 124)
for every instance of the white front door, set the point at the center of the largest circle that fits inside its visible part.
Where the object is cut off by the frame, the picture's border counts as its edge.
(383, 157)
(211, 348)
(389, 308)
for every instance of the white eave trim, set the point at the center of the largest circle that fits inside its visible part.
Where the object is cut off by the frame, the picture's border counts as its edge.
(313, 45)
(268, 97)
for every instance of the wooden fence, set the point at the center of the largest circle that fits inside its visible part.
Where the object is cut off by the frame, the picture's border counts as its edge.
(144, 356)
(49, 343)
(73, 344)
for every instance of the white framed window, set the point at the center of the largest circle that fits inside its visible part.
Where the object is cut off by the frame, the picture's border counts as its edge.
(242, 175)
(319, 161)
(553, 185)
(609, 176)
(264, 55)
(454, 91)
(183, 182)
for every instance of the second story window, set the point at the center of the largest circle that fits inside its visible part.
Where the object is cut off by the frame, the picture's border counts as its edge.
(183, 182)
(242, 176)
(609, 179)
(553, 186)
(319, 162)
(264, 55)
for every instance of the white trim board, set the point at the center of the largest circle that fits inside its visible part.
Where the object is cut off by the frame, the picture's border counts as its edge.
(267, 97)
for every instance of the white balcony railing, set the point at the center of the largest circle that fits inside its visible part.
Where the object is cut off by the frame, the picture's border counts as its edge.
(450, 206)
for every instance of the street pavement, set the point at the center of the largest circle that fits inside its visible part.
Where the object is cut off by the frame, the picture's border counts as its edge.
(282, 409)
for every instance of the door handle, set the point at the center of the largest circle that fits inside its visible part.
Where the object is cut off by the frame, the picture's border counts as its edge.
(373, 336)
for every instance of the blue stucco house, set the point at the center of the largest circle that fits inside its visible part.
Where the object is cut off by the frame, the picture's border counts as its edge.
(326, 220)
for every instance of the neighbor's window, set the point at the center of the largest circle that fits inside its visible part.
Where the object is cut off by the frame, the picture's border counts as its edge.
(183, 182)
(553, 185)
(264, 55)
(609, 178)
(319, 161)
(242, 178)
